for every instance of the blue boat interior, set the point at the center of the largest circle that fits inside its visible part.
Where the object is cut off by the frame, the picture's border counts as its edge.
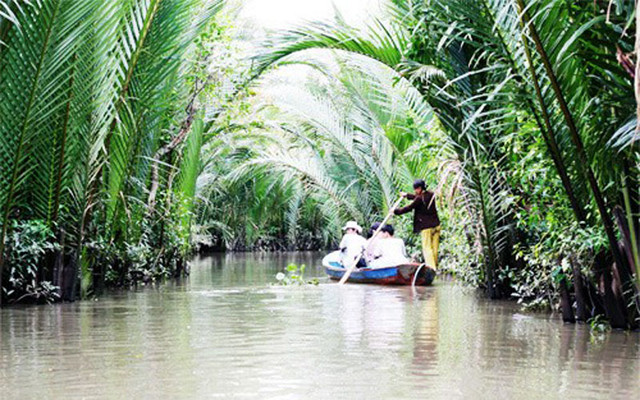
(359, 274)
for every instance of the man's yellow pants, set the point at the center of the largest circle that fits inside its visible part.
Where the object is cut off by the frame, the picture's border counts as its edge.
(430, 242)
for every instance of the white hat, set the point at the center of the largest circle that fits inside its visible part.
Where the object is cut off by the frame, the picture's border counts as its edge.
(352, 225)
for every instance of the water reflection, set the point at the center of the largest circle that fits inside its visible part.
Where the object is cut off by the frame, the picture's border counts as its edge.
(227, 333)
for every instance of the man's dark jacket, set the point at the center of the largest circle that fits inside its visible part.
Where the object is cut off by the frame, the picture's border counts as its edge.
(424, 210)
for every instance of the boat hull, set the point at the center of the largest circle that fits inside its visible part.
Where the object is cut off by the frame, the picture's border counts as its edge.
(395, 275)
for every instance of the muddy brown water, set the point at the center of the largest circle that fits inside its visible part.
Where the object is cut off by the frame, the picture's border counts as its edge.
(226, 333)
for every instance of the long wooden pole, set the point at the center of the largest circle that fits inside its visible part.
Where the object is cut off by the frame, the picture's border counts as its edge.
(373, 238)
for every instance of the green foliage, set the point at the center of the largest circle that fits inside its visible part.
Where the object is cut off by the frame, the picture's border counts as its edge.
(186, 189)
(294, 275)
(28, 247)
(598, 327)
(334, 146)
(90, 92)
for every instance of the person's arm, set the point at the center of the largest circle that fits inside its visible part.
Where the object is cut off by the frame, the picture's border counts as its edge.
(369, 248)
(409, 208)
(404, 249)
(343, 243)
(377, 252)
(409, 196)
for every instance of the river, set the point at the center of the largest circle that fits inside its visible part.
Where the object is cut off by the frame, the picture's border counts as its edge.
(227, 333)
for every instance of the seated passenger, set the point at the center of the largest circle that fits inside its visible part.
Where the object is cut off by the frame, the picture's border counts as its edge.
(389, 251)
(352, 245)
(371, 246)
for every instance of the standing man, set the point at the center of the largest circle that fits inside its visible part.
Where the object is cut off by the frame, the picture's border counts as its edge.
(425, 220)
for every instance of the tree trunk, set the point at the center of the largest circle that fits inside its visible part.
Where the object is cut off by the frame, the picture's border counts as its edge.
(611, 306)
(623, 272)
(98, 277)
(169, 147)
(179, 267)
(582, 298)
(58, 266)
(69, 278)
(565, 302)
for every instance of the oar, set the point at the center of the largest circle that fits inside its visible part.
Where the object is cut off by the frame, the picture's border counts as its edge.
(373, 238)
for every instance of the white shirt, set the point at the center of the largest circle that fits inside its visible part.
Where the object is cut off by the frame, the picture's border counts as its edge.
(373, 250)
(368, 250)
(389, 252)
(352, 245)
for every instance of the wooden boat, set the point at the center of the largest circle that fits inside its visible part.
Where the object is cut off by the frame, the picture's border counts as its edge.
(395, 275)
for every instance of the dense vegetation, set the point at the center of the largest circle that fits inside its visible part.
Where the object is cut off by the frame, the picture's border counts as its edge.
(135, 132)
(101, 127)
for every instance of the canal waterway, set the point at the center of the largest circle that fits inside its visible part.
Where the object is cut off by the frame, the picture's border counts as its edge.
(227, 332)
